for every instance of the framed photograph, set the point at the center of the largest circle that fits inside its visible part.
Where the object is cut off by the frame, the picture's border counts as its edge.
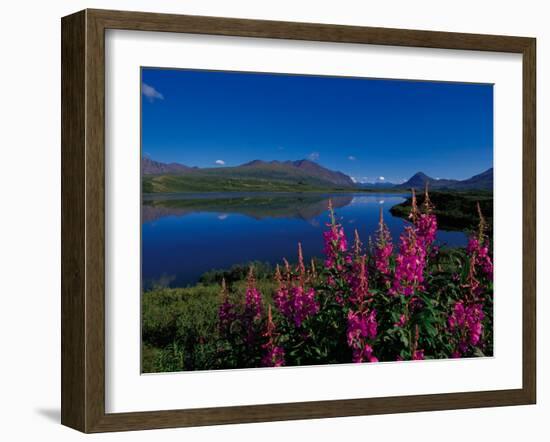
(266, 220)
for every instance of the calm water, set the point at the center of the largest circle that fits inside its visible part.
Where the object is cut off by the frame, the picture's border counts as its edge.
(184, 236)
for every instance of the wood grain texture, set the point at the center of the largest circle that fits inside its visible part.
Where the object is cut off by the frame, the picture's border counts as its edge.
(529, 221)
(73, 256)
(83, 220)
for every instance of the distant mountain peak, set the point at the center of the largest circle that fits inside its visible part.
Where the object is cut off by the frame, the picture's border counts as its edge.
(421, 175)
(482, 181)
(152, 167)
(301, 168)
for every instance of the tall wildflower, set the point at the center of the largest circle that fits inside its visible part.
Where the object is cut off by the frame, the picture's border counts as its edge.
(361, 320)
(426, 222)
(383, 247)
(359, 282)
(478, 247)
(466, 319)
(253, 299)
(410, 262)
(336, 246)
(292, 298)
(274, 355)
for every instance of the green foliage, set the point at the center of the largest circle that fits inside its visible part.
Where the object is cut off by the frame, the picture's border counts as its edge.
(182, 323)
(238, 272)
(454, 210)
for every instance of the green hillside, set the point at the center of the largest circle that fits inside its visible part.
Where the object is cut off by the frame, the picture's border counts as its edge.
(301, 176)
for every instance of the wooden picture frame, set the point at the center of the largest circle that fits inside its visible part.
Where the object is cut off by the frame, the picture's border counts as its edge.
(83, 220)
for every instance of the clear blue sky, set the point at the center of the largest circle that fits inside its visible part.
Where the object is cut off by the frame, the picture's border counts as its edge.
(366, 128)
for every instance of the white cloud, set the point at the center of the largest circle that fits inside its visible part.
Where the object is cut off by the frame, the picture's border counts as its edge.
(353, 179)
(151, 93)
(220, 162)
(313, 156)
(381, 178)
(351, 158)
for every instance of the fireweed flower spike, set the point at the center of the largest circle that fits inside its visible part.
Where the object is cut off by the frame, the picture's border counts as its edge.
(359, 283)
(383, 248)
(426, 223)
(336, 245)
(274, 355)
(280, 297)
(478, 248)
(253, 297)
(409, 264)
(361, 330)
(292, 298)
(466, 323)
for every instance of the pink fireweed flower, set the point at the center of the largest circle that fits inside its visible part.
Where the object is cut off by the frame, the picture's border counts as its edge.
(336, 245)
(409, 264)
(274, 355)
(358, 281)
(253, 298)
(402, 321)
(280, 297)
(426, 223)
(363, 354)
(302, 304)
(293, 299)
(362, 327)
(426, 228)
(479, 253)
(466, 321)
(478, 247)
(384, 247)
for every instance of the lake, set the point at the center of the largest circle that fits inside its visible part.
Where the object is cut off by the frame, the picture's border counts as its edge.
(186, 235)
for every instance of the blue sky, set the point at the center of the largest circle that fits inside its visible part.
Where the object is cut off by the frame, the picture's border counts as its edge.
(366, 128)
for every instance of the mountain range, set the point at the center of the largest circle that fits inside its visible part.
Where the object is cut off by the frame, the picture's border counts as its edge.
(482, 181)
(300, 175)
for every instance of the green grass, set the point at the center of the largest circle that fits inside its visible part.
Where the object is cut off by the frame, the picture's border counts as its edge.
(179, 324)
(203, 183)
